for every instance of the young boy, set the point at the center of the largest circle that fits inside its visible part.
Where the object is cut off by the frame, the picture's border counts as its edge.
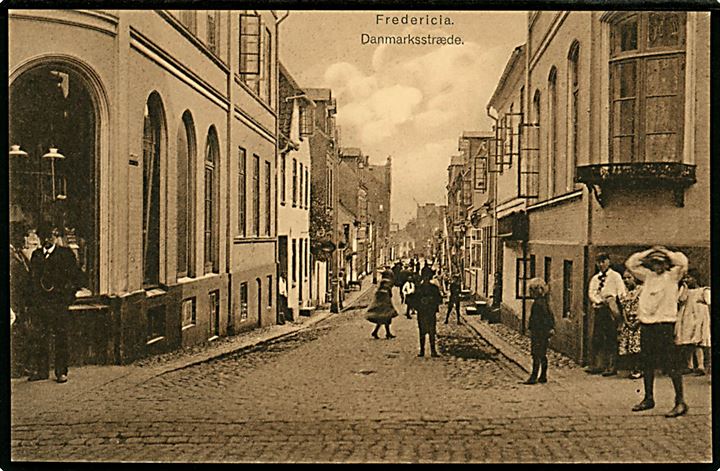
(542, 327)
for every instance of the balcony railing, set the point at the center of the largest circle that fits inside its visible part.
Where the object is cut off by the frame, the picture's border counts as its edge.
(602, 177)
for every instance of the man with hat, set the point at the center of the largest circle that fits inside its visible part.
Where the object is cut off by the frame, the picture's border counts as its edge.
(661, 270)
(605, 287)
(55, 279)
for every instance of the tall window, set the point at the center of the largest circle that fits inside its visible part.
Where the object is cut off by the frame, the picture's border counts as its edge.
(547, 273)
(301, 254)
(552, 133)
(572, 114)
(268, 199)
(250, 50)
(185, 186)
(283, 177)
(647, 82)
(189, 19)
(269, 290)
(153, 126)
(302, 189)
(242, 191)
(256, 196)
(266, 87)
(213, 31)
(294, 261)
(294, 182)
(211, 242)
(259, 300)
(307, 188)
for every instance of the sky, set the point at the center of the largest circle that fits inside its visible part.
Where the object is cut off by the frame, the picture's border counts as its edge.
(410, 102)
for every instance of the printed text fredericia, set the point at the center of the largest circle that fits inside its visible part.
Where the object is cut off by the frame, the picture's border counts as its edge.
(408, 19)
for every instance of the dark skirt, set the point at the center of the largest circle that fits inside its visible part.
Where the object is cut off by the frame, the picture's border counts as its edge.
(381, 311)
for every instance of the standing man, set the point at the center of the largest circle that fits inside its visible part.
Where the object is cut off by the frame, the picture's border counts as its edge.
(605, 287)
(55, 279)
(427, 302)
(661, 270)
(454, 301)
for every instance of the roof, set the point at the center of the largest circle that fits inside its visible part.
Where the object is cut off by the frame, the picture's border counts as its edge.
(477, 134)
(517, 54)
(351, 152)
(319, 94)
(457, 160)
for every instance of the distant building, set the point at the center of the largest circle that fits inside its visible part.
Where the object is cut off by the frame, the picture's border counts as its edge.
(294, 170)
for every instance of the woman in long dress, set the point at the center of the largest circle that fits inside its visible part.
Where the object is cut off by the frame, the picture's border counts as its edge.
(629, 335)
(382, 311)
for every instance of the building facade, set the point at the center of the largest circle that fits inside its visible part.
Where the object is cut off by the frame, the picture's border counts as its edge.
(294, 169)
(602, 144)
(163, 126)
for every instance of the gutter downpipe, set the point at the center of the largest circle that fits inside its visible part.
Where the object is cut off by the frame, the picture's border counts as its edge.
(495, 238)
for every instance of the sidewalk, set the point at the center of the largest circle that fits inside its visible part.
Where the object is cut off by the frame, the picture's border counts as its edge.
(83, 379)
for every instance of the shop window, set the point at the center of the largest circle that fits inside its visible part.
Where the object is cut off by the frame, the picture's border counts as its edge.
(185, 186)
(211, 231)
(647, 82)
(242, 191)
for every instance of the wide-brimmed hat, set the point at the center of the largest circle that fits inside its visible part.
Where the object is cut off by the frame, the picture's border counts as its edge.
(656, 257)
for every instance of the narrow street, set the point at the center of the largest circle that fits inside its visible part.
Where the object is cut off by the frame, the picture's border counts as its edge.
(331, 393)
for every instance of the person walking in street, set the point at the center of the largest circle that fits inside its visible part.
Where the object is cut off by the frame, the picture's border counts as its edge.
(660, 270)
(55, 279)
(542, 326)
(605, 288)
(408, 292)
(692, 329)
(427, 303)
(454, 300)
(629, 336)
(382, 311)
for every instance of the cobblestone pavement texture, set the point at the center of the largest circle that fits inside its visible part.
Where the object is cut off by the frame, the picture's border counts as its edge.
(331, 393)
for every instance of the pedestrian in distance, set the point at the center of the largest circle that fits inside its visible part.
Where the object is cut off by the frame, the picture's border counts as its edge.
(604, 289)
(542, 326)
(454, 299)
(382, 311)
(20, 296)
(427, 303)
(660, 270)
(55, 279)
(692, 329)
(629, 335)
(408, 294)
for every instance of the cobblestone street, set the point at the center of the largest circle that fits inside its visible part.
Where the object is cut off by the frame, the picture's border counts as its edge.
(331, 393)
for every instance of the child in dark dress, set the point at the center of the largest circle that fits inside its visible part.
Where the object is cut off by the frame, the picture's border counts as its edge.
(542, 327)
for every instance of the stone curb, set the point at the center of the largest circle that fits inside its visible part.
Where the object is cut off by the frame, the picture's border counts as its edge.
(501, 345)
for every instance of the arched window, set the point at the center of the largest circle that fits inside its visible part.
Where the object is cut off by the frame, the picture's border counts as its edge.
(153, 147)
(185, 185)
(572, 113)
(552, 133)
(210, 241)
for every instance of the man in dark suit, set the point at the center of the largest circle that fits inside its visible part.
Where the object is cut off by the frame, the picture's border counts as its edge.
(55, 277)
